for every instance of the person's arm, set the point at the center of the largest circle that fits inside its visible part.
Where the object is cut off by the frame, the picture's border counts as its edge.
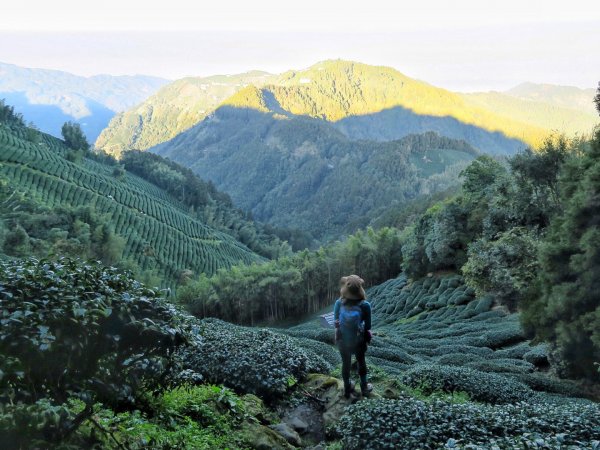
(336, 321)
(367, 315)
(336, 312)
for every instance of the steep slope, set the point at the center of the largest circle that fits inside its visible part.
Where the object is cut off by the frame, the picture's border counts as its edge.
(51, 97)
(301, 172)
(173, 109)
(60, 200)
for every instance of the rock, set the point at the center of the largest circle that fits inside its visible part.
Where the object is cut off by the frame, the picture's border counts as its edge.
(331, 391)
(310, 414)
(317, 447)
(261, 437)
(255, 407)
(288, 433)
(297, 424)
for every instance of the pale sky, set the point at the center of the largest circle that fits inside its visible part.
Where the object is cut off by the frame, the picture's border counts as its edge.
(462, 45)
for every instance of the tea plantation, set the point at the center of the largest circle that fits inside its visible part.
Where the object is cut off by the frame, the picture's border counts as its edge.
(434, 337)
(93, 359)
(159, 233)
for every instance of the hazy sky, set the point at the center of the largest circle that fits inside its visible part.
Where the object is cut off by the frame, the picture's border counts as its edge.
(463, 45)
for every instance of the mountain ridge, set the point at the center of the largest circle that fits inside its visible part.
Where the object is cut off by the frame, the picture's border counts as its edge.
(337, 90)
(92, 101)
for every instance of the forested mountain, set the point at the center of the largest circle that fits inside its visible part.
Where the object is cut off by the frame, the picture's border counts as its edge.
(365, 102)
(173, 109)
(49, 98)
(299, 172)
(155, 218)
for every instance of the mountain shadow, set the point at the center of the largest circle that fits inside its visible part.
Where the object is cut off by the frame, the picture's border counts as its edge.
(398, 122)
(301, 172)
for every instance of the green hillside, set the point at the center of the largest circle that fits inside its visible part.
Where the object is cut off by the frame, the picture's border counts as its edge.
(51, 205)
(449, 372)
(302, 173)
(364, 102)
(173, 109)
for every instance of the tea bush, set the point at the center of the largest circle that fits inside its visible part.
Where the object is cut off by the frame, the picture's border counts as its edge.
(408, 423)
(481, 386)
(249, 360)
(68, 325)
(76, 330)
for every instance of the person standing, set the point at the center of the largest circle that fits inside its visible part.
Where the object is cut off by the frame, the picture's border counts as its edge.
(352, 315)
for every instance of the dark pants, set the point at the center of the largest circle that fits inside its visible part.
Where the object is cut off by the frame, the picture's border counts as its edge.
(346, 352)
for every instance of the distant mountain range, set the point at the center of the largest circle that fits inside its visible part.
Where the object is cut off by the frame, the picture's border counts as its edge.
(48, 98)
(327, 149)
(365, 102)
(330, 148)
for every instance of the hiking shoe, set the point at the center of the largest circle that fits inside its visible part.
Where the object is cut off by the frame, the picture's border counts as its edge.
(366, 389)
(348, 389)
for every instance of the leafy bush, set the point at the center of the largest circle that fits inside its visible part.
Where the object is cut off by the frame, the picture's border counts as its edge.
(33, 425)
(481, 386)
(249, 360)
(83, 330)
(505, 266)
(545, 383)
(408, 423)
(538, 355)
(198, 417)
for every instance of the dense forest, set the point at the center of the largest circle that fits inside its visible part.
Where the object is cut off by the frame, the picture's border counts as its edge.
(302, 173)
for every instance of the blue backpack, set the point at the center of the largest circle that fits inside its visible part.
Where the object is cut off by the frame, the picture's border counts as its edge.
(352, 325)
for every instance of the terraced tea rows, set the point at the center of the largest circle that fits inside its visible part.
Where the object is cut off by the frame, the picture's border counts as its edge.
(439, 323)
(159, 233)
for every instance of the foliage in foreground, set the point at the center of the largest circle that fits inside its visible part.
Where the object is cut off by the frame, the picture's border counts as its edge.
(74, 330)
(409, 423)
(185, 417)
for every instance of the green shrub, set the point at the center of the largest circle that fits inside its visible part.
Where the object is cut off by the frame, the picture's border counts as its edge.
(538, 355)
(481, 386)
(249, 360)
(409, 423)
(327, 352)
(83, 330)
